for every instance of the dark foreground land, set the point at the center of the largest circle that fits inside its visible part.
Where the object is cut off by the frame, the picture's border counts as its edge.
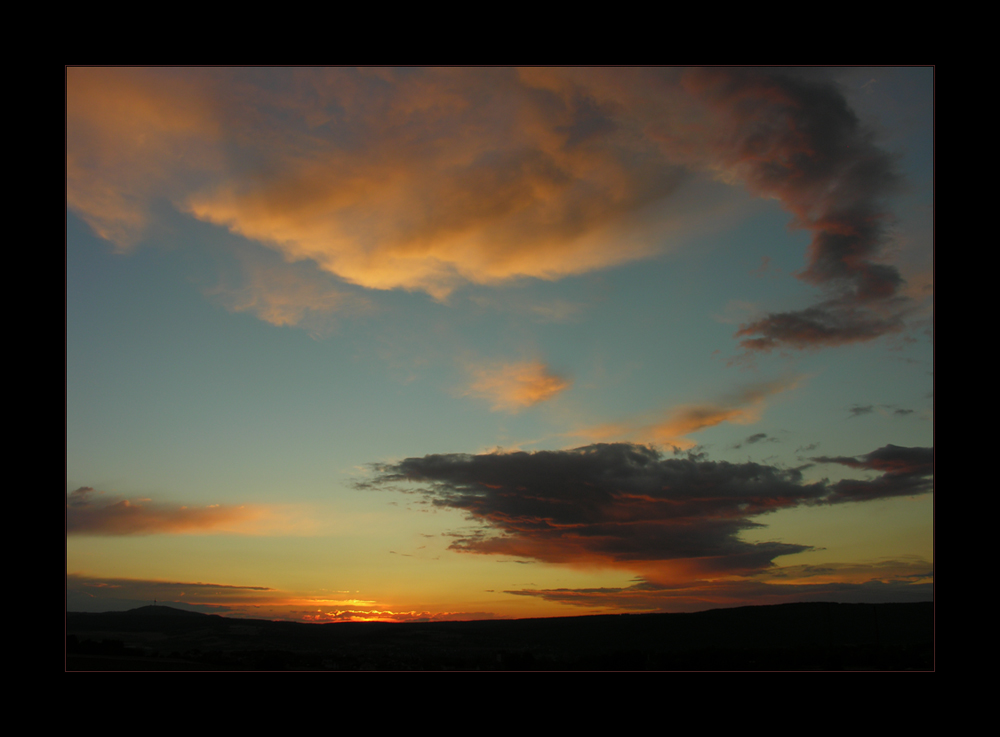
(815, 636)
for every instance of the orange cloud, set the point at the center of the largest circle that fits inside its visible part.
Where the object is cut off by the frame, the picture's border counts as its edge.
(913, 569)
(282, 294)
(514, 386)
(389, 180)
(692, 418)
(90, 513)
(427, 179)
(133, 135)
(742, 408)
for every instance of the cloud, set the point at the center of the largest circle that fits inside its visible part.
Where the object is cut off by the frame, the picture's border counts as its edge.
(122, 583)
(132, 136)
(428, 179)
(857, 410)
(826, 325)
(100, 594)
(288, 295)
(512, 387)
(89, 513)
(889, 459)
(742, 407)
(790, 137)
(692, 418)
(905, 472)
(878, 582)
(547, 311)
(797, 140)
(383, 615)
(626, 506)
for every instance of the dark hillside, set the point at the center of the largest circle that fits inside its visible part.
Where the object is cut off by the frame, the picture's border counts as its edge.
(783, 637)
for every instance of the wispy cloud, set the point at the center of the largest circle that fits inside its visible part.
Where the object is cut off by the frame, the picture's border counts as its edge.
(547, 311)
(512, 387)
(877, 582)
(742, 407)
(91, 512)
(288, 295)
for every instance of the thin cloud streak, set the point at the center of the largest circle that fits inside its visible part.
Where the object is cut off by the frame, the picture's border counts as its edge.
(885, 581)
(742, 408)
(89, 512)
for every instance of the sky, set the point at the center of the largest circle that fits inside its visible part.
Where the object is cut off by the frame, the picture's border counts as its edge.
(468, 343)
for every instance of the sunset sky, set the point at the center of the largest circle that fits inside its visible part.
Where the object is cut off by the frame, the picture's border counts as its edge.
(466, 343)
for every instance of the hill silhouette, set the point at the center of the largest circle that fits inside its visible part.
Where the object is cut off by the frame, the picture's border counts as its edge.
(803, 636)
(161, 610)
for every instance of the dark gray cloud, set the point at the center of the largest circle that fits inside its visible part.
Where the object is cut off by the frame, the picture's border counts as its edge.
(626, 505)
(759, 437)
(858, 410)
(889, 459)
(884, 580)
(825, 325)
(647, 596)
(905, 472)
(795, 138)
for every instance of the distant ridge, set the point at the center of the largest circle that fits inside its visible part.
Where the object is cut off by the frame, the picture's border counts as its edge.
(161, 611)
(802, 636)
